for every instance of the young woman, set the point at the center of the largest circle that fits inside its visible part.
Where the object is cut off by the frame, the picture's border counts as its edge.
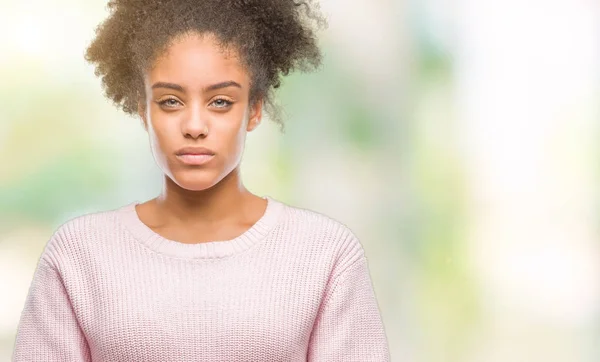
(206, 271)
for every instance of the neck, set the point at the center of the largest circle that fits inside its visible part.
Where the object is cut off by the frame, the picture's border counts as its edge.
(226, 200)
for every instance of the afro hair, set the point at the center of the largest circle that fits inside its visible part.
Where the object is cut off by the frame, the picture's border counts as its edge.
(273, 37)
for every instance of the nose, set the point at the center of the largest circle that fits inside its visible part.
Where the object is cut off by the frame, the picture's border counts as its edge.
(196, 123)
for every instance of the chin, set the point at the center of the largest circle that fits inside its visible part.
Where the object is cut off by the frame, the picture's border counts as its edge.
(195, 180)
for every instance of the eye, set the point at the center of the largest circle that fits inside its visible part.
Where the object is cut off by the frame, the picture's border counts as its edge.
(221, 103)
(169, 103)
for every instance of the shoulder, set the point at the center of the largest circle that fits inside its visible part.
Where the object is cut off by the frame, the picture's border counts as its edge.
(324, 232)
(71, 239)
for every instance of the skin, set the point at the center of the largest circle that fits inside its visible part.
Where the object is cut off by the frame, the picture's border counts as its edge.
(199, 203)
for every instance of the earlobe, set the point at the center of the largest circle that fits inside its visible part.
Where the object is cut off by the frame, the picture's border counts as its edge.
(255, 116)
(253, 124)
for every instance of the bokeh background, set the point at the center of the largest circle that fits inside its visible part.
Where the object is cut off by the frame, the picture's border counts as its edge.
(457, 138)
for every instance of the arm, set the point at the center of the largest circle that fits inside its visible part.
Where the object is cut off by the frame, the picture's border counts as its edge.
(48, 330)
(348, 326)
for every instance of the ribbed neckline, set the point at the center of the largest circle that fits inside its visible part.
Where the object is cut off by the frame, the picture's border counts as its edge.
(207, 250)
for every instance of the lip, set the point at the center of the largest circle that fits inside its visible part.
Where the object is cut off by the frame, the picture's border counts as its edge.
(195, 159)
(194, 151)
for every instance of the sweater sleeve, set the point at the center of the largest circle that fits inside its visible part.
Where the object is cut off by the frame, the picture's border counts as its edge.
(48, 330)
(348, 326)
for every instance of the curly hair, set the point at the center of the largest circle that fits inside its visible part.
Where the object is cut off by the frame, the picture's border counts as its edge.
(273, 38)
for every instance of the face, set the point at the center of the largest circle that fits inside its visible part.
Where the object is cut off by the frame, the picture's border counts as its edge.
(198, 96)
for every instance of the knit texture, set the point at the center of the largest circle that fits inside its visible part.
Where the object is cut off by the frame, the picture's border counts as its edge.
(294, 287)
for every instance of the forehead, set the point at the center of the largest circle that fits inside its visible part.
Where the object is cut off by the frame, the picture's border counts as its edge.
(196, 60)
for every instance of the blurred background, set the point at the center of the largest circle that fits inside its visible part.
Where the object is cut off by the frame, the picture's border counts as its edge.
(457, 138)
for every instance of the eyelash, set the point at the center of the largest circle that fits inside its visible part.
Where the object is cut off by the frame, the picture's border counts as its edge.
(227, 105)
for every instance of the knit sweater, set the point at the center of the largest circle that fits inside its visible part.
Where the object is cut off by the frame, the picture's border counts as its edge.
(294, 287)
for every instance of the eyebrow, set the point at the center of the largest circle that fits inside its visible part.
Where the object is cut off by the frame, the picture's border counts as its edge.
(177, 87)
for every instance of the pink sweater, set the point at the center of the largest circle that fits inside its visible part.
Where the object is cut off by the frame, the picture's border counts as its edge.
(294, 287)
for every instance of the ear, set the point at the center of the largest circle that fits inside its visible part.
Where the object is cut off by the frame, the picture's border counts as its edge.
(255, 115)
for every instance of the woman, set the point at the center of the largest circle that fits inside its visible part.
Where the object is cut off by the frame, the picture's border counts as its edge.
(206, 271)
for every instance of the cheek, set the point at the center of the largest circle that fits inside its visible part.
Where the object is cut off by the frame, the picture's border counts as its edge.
(161, 141)
(230, 134)
(237, 140)
(228, 142)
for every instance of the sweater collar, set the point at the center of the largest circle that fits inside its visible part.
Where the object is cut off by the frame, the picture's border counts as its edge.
(207, 250)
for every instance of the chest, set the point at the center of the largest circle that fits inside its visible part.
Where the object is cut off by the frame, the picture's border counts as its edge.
(178, 312)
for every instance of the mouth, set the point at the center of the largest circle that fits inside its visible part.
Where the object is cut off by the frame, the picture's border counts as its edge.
(192, 159)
